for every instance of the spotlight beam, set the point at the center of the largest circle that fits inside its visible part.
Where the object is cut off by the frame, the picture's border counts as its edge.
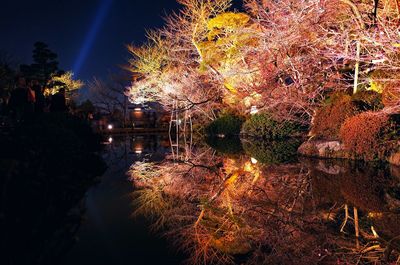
(101, 14)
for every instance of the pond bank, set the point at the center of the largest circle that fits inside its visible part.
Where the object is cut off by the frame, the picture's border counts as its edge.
(335, 149)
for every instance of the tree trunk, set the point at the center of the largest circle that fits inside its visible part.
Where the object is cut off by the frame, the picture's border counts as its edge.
(357, 68)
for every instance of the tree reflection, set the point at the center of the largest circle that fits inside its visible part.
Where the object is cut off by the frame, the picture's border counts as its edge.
(224, 210)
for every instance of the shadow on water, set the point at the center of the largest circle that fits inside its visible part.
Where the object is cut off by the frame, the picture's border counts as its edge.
(110, 235)
(230, 145)
(47, 164)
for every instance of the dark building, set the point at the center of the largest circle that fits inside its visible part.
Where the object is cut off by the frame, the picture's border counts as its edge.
(147, 115)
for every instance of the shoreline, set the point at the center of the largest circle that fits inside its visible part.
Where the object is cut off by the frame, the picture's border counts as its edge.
(335, 149)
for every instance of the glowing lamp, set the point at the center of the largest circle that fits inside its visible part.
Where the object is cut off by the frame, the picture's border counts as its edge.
(138, 109)
(374, 232)
(254, 161)
(110, 140)
(248, 167)
(110, 126)
(378, 61)
(253, 110)
(138, 150)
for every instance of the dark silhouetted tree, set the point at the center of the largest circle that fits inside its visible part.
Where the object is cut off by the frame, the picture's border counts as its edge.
(7, 73)
(44, 64)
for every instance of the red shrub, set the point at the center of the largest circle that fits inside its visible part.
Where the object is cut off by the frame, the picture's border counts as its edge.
(364, 135)
(328, 119)
(391, 95)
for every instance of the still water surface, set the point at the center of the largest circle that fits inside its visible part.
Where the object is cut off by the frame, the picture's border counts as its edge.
(244, 203)
(109, 233)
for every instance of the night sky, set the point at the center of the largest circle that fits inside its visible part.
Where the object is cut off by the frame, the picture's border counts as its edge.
(89, 36)
(68, 26)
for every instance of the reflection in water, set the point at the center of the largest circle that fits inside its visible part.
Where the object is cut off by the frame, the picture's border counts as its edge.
(249, 209)
(109, 235)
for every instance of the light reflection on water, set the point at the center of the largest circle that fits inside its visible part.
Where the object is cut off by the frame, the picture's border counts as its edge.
(248, 203)
(109, 234)
(257, 203)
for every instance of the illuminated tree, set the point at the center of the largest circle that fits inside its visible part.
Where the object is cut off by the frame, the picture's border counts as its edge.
(230, 37)
(293, 75)
(368, 40)
(186, 29)
(280, 56)
(168, 66)
(64, 80)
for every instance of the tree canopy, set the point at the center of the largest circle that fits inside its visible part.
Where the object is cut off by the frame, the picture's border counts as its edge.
(44, 65)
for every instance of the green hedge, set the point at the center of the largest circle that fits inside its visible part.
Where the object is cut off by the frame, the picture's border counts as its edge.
(264, 126)
(225, 125)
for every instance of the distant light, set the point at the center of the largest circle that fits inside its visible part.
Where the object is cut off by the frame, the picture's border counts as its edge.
(110, 140)
(253, 110)
(179, 122)
(138, 151)
(138, 109)
(110, 126)
(254, 161)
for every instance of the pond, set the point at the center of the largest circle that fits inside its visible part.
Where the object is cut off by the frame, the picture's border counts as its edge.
(236, 202)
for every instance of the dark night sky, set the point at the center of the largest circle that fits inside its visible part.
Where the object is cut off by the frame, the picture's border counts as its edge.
(66, 24)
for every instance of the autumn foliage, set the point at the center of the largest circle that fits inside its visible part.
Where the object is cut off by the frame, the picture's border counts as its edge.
(368, 100)
(364, 135)
(391, 95)
(329, 118)
(283, 57)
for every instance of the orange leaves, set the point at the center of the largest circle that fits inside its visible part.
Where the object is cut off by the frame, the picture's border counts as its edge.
(328, 119)
(391, 94)
(364, 134)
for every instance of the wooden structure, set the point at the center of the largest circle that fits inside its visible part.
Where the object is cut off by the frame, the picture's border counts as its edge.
(180, 132)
